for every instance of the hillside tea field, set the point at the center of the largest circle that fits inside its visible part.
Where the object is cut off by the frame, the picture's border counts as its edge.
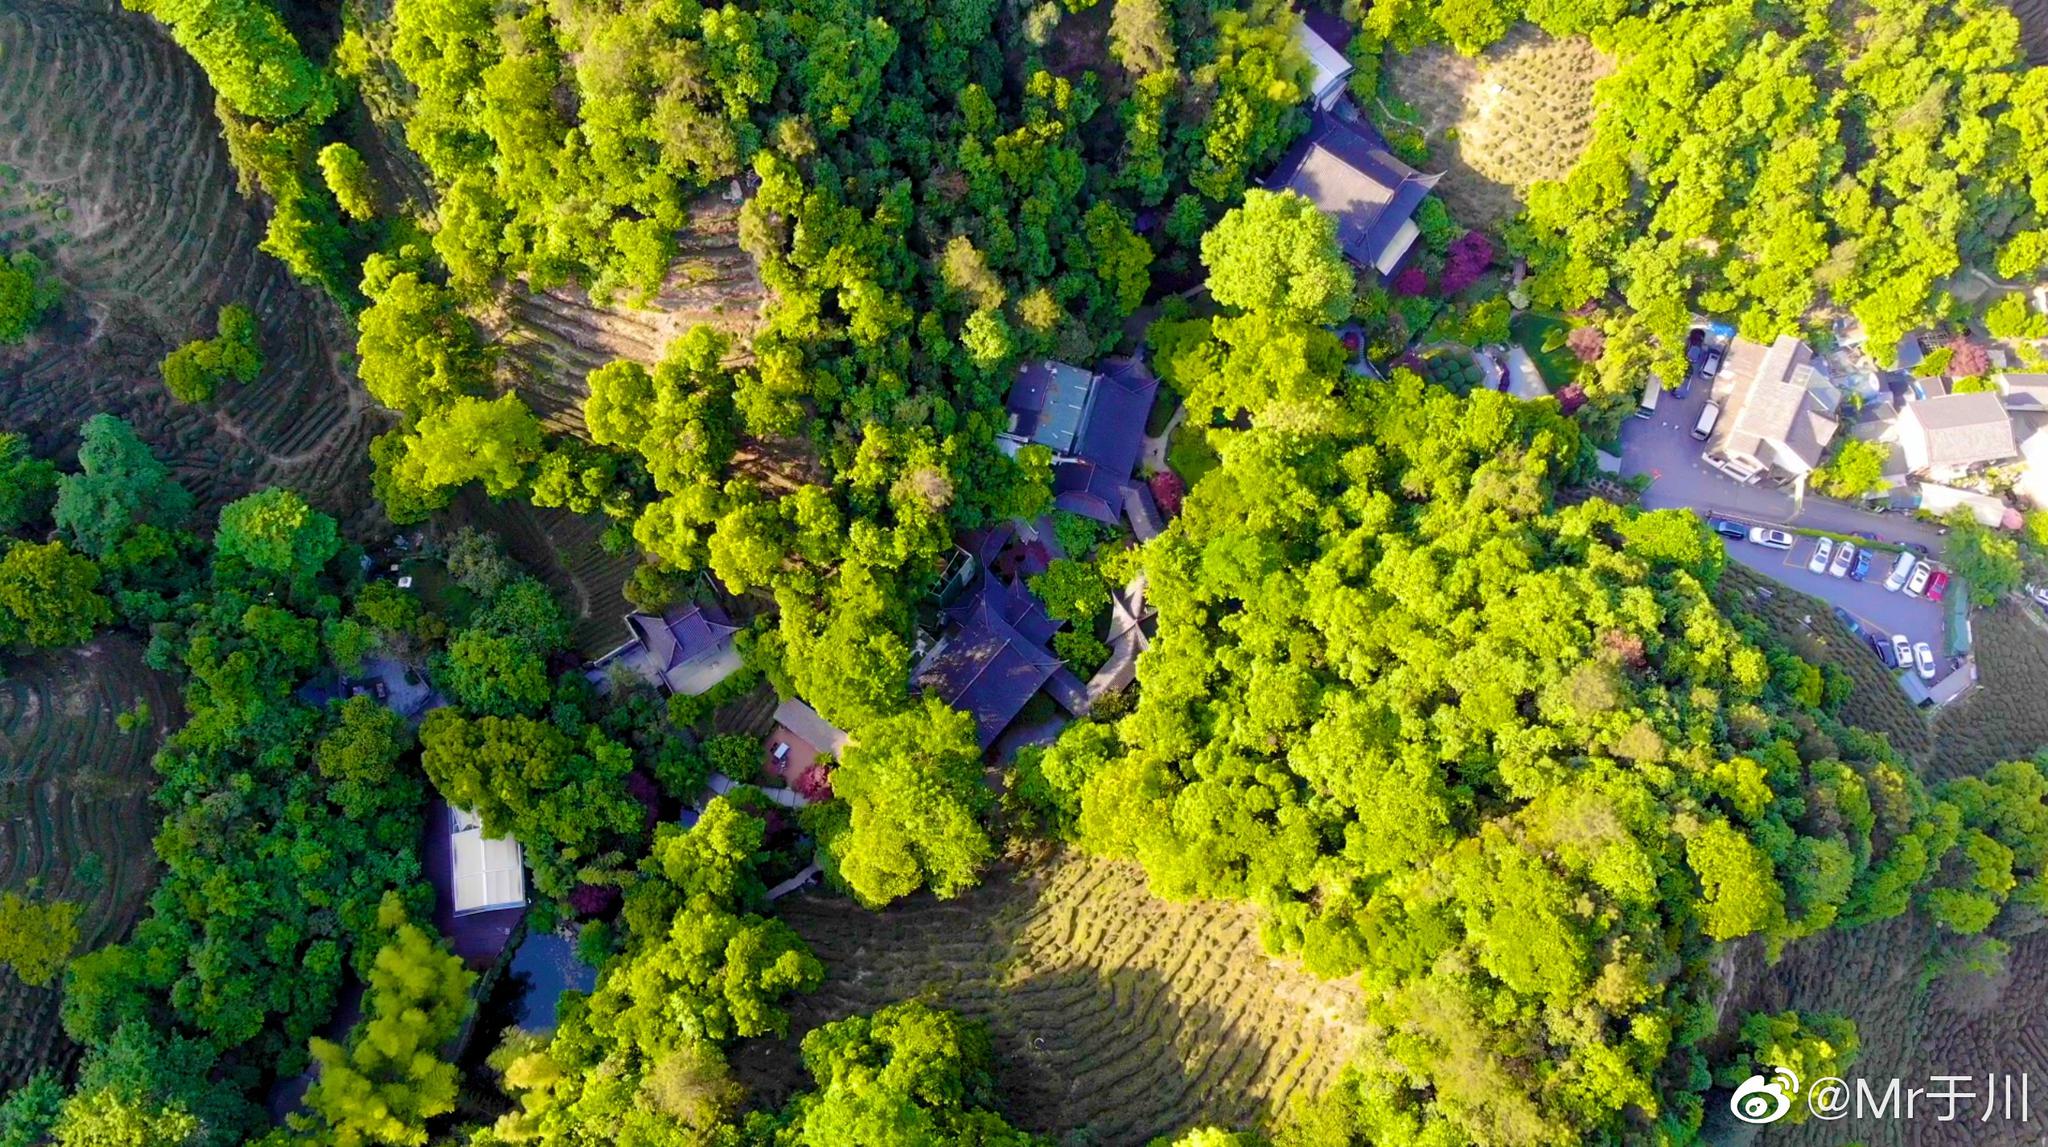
(75, 818)
(1112, 1011)
(112, 169)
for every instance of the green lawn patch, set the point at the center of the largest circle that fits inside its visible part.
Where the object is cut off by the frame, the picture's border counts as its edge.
(1533, 331)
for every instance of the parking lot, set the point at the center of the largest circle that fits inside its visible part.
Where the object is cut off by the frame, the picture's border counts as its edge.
(1663, 449)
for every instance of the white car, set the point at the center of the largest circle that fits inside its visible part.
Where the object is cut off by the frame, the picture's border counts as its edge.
(1901, 570)
(1819, 562)
(1775, 539)
(1918, 583)
(2039, 594)
(1845, 556)
(1923, 659)
(1902, 649)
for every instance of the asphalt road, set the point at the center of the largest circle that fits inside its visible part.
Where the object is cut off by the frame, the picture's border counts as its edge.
(1663, 448)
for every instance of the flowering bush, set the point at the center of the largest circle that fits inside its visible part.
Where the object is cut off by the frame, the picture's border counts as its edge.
(815, 784)
(1468, 259)
(1168, 489)
(1411, 282)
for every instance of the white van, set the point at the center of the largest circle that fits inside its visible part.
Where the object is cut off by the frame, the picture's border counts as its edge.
(1901, 570)
(1704, 428)
(1651, 391)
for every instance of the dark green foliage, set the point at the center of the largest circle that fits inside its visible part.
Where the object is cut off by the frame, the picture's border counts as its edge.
(28, 485)
(120, 485)
(1989, 559)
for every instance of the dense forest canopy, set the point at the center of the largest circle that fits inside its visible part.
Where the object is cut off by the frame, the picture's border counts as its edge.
(1499, 756)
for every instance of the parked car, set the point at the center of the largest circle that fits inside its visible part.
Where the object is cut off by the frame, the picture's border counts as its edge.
(1728, 529)
(1917, 584)
(1845, 556)
(1712, 365)
(1902, 651)
(1937, 585)
(1901, 570)
(1775, 539)
(1884, 650)
(1861, 569)
(1923, 660)
(1704, 428)
(2039, 594)
(1822, 550)
(1848, 621)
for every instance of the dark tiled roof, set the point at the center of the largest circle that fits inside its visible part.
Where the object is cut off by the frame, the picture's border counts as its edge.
(985, 666)
(1334, 31)
(1049, 400)
(1345, 169)
(1111, 439)
(683, 633)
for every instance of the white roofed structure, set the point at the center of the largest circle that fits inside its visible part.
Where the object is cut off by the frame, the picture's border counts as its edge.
(489, 872)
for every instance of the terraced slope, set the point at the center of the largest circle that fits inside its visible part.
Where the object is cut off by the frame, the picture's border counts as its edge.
(115, 172)
(556, 338)
(562, 550)
(75, 819)
(1111, 1010)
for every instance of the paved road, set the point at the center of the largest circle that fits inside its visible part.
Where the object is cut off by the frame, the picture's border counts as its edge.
(1663, 447)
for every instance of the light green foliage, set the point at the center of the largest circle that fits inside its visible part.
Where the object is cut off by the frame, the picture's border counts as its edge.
(1866, 166)
(36, 938)
(348, 177)
(1278, 255)
(416, 350)
(1073, 592)
(908, 1075)
(912, 794)
(194, 371)
(1856, 470)
(363, 760)
(640, 1059)
(249, 56)
(390, 1079)
(1450, 737)
(277, 532)
(1811, 1047)
(50, 596)
(120, 485)
(104, 1118)
(27, 293)
(1988, 558)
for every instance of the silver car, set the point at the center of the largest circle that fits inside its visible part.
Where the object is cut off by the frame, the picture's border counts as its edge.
(1818, 563)
(1923, 660)
(1775, 539)
(1901, 570)
(1845, 556)
(1918, 584)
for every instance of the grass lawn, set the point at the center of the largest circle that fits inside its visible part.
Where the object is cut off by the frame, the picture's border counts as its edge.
(1189, 454)
(1531, 330)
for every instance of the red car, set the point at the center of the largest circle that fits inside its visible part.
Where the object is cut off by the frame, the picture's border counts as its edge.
(1937, 585)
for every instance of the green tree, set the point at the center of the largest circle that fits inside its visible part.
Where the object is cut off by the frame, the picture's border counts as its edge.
(194, 371)
(28, 484)
(277, 532)
(1811, 1047)
(26, 295)
(913, 796)
(120, 485)
(348, 177)
(1856, 470)
(390, 1080)
(36, 938)
(1988, 559)
(50, 595)
(1278, 255)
